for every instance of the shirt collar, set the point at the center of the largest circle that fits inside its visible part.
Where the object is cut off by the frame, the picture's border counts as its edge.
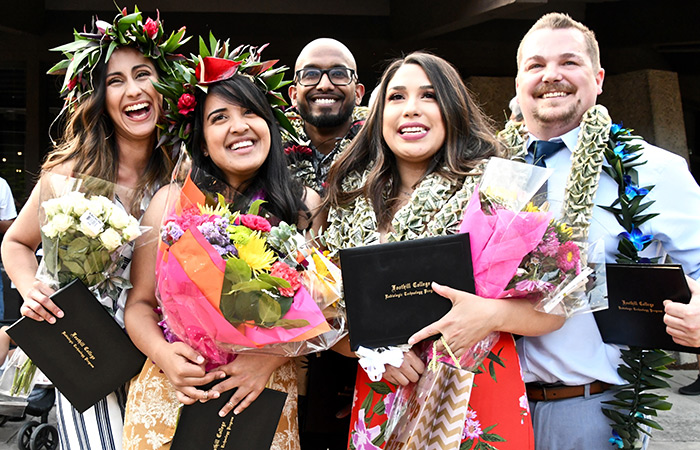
(569, 138)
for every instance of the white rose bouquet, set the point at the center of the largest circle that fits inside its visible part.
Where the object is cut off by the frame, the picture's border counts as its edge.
(84, 233)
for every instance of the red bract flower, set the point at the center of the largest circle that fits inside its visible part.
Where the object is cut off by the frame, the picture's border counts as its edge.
(255, 222)
(72, 83)
(151, 28)
(186, 104)
(298, 149)
(210, 70)
(282, 270)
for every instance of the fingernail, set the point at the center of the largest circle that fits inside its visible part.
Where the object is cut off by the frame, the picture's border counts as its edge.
(236, 412)
(200, 359)
(214, 394)
(435, 285)
(411, 341)
(60, 314)
(52, 320)
(222, 414)
(222, 375)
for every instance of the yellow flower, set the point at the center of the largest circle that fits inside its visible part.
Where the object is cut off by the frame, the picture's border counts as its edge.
(565, 229)
(530, 207)
(256, 254)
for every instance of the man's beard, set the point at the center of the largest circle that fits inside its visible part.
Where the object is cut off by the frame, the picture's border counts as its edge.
(326, 120)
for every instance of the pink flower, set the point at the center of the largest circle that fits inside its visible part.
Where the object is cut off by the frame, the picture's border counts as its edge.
(298, 149)
(362, 437)
(186, 104)
(549, 244)
(568, 257)
(282, 270)
(255, 222)
(534, 286)
(151, 28)
(472, 429)
(389, 402)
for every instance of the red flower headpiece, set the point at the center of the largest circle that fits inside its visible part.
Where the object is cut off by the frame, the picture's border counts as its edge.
(211, 69)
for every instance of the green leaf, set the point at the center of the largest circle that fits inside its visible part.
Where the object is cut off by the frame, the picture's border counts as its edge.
(491, 437)
(290, 324)
(380, 388)
(268, 309)
(255, 207)
(203, 50)
(379, 408)
(366, 405)
(237, 271)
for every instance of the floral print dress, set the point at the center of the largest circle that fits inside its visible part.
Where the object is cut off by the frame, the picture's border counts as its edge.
(498, 415)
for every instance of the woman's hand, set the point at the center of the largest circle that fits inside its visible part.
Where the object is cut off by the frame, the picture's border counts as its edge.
(470, 320)
(184, 367)
(409, 372)
(38, 306)
(248, 373)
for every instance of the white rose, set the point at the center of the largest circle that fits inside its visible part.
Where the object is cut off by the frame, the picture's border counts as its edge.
(62, 222)
(119, 218)
(88, 231)
(80, 205)
(111, 239)
(49, 230)
(132, 231)
(95, 206)
(51, 207)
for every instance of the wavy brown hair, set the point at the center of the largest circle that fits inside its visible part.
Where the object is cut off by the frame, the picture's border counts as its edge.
(88, 141)
(469, 139)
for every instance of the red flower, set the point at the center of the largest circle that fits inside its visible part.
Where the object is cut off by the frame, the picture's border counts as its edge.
(72, 83)
(186, 104)
(210, 70)
(298, 149)
(255, 222)
(151, 28)
(282, 270)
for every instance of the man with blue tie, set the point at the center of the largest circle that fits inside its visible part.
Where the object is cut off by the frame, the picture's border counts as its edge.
(569, 372)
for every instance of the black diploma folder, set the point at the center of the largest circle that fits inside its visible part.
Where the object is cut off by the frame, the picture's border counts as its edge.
(200, 426)
(635, 314)
(387, 286)
(85, 354)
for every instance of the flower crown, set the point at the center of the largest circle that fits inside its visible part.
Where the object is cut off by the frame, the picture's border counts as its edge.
(217, 63)
(127, 30)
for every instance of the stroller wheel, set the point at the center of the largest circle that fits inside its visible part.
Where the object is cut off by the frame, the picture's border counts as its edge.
(24, 436)
(44, 437)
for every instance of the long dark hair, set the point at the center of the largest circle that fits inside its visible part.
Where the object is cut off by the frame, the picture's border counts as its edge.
(284, 196)
(469, 139)
(88, 141)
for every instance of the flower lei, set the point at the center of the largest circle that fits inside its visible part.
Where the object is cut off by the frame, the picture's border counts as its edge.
(217, 62)
(598, 139)
(299, 151)
(83, 54)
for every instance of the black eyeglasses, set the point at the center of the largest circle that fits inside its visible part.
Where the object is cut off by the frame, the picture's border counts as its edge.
(311, 76)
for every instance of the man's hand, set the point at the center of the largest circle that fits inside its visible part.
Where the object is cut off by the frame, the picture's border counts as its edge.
(683, 320)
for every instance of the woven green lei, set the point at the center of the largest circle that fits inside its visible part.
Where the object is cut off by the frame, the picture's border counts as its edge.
(600, 140)
(436, 208)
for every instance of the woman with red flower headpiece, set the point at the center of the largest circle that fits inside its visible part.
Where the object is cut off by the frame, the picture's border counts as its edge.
(236, 149)
(110, 134)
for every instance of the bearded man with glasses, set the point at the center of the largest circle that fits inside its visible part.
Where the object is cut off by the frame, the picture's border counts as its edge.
(326, 95)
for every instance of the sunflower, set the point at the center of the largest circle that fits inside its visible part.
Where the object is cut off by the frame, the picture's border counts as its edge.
(256, 254)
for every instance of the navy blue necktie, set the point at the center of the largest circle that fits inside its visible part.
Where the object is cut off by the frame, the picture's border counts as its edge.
(544, 149)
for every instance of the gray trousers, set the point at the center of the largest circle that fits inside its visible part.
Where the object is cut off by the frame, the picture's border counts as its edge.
(573, 424)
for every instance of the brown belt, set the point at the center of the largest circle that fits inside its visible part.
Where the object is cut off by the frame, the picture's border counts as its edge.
(540, 392)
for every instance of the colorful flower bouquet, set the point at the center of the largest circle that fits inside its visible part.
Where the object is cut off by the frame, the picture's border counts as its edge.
(229, 282)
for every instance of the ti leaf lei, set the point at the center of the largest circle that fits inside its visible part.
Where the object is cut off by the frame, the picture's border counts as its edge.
(643, 369)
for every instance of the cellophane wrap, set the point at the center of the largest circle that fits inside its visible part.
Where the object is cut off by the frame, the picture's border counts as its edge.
(231, 282)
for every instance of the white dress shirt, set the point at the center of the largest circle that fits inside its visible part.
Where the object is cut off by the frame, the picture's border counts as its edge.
(575, 354)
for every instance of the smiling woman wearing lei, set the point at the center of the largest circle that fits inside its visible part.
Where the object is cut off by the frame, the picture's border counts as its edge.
(110, 133)
(409, 174)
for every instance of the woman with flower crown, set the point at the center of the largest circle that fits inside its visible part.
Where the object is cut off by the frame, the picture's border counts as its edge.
(407, 175)
(112, 110)
(236, 145)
